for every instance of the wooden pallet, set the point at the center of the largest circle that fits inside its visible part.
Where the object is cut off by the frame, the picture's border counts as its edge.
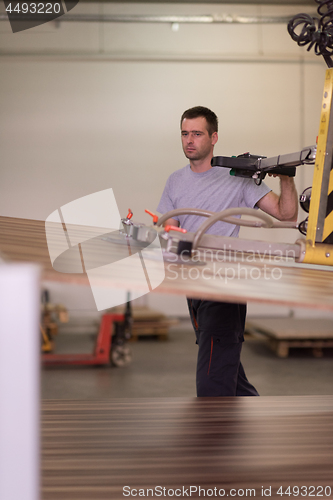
(286, 333)
(149, 328)
(147, 322)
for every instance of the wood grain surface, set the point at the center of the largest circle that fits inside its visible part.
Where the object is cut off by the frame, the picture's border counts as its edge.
(269, 280)
(297, 328)
(91, 450)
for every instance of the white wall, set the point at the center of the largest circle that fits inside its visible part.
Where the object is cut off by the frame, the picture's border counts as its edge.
(87, 106)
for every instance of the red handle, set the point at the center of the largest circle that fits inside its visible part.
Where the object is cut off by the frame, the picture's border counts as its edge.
(174, 228)
(155, 217)
(130, 214)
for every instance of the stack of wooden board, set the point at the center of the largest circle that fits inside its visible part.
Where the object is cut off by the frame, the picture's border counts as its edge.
(147, 322)
(285, 333)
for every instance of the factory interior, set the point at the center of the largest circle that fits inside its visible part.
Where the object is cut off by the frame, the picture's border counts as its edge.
(90, 105)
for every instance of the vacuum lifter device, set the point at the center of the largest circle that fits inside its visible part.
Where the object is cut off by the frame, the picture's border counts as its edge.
(317, 247)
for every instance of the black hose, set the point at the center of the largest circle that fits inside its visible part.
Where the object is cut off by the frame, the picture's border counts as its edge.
(314, 32)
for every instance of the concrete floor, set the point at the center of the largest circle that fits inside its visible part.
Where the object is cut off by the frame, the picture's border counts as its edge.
(167, 369)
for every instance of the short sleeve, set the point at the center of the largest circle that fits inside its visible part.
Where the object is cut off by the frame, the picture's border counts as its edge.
(166, 204)
(252, 193)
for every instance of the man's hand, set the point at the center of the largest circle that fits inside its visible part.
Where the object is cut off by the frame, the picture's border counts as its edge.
(278, 175)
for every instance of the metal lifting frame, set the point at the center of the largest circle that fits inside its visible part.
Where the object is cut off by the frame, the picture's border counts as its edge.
(319, 236)
(318, 246)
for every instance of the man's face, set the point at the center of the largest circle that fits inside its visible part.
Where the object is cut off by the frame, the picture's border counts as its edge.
(196, 141)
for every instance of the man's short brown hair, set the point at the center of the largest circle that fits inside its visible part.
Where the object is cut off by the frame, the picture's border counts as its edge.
(198, 111)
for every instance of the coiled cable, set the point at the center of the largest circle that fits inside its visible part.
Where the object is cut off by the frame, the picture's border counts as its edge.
(314, 32)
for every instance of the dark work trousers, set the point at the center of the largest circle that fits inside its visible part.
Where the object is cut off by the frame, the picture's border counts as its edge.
(219, 330)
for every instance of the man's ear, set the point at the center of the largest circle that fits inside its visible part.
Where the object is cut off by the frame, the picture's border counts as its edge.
(214, 138)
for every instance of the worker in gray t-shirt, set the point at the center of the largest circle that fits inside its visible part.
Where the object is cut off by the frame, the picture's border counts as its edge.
(219, 326)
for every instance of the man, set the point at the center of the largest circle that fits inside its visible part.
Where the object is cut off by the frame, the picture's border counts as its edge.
(219, 326)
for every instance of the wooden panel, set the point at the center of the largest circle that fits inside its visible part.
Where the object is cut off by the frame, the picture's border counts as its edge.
(269, 280)
(292, 328)
(92, 449)
(285, 333)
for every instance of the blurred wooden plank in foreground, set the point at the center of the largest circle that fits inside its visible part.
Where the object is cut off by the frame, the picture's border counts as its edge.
(93, 449)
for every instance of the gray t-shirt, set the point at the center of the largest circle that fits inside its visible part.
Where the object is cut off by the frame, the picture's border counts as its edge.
(213, 190)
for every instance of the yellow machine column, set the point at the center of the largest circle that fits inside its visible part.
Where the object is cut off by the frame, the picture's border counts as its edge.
(319, 236)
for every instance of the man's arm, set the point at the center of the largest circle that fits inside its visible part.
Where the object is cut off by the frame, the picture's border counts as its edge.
(285, 206)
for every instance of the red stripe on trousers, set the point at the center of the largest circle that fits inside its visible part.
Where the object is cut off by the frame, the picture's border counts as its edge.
(211, 353)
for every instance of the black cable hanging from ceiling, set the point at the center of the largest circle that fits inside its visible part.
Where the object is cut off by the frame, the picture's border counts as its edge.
(314, 32)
